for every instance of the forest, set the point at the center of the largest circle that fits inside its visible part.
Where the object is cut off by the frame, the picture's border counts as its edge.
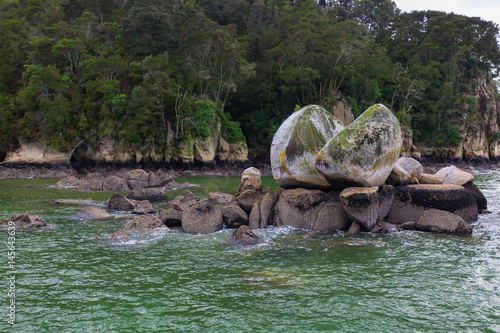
(82, 70)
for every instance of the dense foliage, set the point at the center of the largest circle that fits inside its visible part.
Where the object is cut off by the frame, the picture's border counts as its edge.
(80, 70)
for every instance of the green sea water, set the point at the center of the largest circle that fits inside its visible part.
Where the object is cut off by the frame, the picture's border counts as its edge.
(71, 279)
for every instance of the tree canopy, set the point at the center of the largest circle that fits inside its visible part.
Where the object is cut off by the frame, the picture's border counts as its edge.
(81, 70)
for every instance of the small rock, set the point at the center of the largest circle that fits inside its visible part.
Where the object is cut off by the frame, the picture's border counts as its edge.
(244, 236)
(137, 178)
(220, 197)
(233, 216)
(398, 176)
(354, 229)
(145, 224)
(119, 202)
(250, 180)
(143, 207)
(25, 221)
(453, 175)
(114, 183)
(254, 217)
(247, 198)
(170, 217)
(147, 193)
(384, 228)
(184, 200)
(410, 225)
(426, 178)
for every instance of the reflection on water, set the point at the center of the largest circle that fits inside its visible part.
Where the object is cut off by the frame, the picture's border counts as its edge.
(70, 278)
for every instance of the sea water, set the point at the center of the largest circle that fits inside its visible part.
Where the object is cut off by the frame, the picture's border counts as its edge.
(71, 279)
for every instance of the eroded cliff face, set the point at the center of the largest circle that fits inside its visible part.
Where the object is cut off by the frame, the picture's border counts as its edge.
(186, 152)
(479, 128)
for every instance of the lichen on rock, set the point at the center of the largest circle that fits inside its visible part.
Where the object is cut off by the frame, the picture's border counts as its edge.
(364, 153)
(296, 144)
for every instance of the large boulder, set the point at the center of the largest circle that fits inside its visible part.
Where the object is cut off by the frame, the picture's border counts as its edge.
(364, 153)
(202, 218)
(92, 213)
(411, 201)
(385, 196)
(244, 236)
(147, 193)
(301, 208)
(362, 205)
(250, 180)
(439, 221)
(296, 144)
(25, 221)
(184, 200)
(453, 175)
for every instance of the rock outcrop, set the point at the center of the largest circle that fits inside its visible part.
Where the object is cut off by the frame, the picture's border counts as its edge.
(296, 144)
(364, 153)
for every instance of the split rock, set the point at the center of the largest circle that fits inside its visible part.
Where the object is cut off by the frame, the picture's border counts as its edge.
(296, 144)
(364, 153)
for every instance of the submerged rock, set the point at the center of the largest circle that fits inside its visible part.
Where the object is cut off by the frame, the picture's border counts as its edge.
(244, 236)
(121, 236)
(92, 213)
(73, 202)
(296, 144)
(364, 153)
(25, 221)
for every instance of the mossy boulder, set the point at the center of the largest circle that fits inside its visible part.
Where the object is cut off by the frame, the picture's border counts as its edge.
(364, 153)
(296, 144)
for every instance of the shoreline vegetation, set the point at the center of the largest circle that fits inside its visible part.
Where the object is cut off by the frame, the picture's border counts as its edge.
(202, 81)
